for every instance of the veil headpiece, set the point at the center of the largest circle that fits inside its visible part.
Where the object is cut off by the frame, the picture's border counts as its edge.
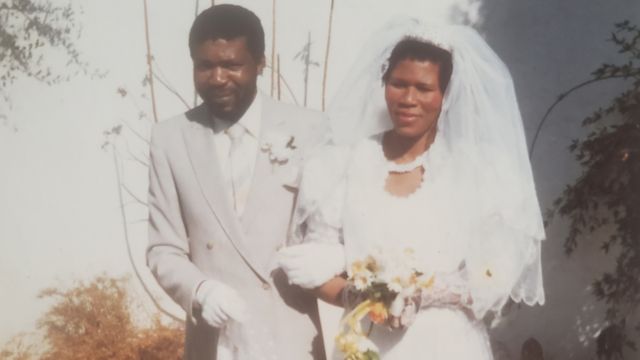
(480, 121)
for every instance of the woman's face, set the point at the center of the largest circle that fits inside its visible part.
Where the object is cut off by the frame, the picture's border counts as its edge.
(414, 98)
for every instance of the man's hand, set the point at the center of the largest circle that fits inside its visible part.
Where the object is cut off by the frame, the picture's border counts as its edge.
(311, 265)
(220, 303)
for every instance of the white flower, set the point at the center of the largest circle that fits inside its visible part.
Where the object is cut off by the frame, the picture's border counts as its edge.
(395, 284)
(279, 146)
(396, 307)
(280, 154)
(362, 280)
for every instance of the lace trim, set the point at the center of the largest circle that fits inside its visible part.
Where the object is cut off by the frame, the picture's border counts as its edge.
(407, 167)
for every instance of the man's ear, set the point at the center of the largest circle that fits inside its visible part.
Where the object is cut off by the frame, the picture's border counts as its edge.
(261, 64)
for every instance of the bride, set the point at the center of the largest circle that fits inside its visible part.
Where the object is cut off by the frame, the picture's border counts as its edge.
(429, 153)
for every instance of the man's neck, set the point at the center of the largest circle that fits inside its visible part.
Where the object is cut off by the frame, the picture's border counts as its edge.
(234, 118)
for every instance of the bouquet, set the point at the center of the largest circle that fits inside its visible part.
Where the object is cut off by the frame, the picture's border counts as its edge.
(382, 281)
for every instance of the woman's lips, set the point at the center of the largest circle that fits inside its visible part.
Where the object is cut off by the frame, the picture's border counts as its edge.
(404, 117)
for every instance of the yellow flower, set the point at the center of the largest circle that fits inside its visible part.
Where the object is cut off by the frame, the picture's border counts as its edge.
(427, 283)
(378, 313)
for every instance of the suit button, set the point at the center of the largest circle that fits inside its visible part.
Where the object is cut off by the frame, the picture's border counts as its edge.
(266, 286)
(209, 245)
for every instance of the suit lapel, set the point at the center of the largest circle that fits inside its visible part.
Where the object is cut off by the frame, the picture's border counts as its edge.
(263, 181)
(199, 141)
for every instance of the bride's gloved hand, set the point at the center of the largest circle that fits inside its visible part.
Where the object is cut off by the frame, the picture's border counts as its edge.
(220, 303)
(403, 310)
(310, 265)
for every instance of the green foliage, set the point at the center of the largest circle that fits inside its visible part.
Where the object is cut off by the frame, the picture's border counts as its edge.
(603, 204)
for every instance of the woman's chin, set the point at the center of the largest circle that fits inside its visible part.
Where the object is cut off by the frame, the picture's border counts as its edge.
(408, 133)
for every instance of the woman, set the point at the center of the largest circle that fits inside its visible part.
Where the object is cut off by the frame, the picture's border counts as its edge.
(436, 161)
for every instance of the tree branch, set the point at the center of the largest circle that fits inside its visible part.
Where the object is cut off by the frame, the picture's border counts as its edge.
(562, 97)
(128, 242)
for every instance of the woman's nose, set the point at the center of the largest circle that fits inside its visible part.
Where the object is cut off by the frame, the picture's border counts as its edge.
(408, 96)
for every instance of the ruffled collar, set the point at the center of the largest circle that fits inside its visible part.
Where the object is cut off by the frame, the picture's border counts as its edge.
(431, 160)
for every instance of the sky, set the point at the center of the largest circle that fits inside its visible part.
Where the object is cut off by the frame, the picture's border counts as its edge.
(60, 219)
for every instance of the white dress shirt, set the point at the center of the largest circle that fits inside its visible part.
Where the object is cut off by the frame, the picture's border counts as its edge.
(249, 147)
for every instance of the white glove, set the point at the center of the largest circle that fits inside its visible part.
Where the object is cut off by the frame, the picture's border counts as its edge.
(220, 303)
(312, 264)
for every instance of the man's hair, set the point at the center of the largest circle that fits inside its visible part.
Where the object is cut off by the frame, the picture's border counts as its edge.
(228, 22)
(413, 49)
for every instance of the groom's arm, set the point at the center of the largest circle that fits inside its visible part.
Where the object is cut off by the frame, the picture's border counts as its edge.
(168, 249)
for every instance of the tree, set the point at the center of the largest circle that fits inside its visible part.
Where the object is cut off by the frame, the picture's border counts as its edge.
(28, 28)
(95, 320)
(603, 204)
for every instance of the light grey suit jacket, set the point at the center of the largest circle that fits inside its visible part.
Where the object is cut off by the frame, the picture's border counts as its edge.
(195, 235)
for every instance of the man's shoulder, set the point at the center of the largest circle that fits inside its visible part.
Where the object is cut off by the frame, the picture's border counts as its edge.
(169, 128)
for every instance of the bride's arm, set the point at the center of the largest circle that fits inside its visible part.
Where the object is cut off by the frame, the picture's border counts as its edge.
(332, 291)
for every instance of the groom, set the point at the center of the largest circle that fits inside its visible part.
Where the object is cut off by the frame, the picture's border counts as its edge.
(221, 192)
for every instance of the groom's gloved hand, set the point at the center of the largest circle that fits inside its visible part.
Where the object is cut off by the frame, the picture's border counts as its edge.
(312, 264)
(219, 303)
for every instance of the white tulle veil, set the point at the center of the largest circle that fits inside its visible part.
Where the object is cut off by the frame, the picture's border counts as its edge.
(480, 123)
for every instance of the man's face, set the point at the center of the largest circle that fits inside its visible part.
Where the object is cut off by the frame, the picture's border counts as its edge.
(225, 75)
(414, 98)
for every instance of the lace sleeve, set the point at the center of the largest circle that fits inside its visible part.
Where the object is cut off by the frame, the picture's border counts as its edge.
(501, 263)
(317, 215)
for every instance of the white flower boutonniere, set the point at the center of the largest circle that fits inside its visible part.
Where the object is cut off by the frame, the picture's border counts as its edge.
(279, 146)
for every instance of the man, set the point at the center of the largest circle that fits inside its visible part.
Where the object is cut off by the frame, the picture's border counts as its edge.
(222, 187)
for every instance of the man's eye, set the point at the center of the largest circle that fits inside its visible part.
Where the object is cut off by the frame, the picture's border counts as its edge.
(233, 66)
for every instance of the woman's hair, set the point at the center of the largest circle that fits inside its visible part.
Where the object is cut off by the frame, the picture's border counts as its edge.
(414, 49)
(228, 22)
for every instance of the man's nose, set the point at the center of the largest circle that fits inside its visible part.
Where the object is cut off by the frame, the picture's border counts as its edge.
(218, 77)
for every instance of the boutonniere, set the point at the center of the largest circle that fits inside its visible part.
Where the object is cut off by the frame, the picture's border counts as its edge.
(279, 146)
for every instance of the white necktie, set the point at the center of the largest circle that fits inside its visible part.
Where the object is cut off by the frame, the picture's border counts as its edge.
(239, 169)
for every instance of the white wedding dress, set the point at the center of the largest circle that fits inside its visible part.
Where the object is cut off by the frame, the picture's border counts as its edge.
(440, 222)
(475, 220)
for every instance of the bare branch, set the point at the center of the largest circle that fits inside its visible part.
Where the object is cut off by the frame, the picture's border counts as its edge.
(136, 133)
(326, 56)
(149, 61)
(286, 84)
(172, 90)
(562, 97)
(128, 242)
(137, 199)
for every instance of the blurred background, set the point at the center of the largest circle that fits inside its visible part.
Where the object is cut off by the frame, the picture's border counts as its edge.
(82, 82)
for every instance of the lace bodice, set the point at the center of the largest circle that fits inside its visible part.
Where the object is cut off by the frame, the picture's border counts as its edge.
(441, 221)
